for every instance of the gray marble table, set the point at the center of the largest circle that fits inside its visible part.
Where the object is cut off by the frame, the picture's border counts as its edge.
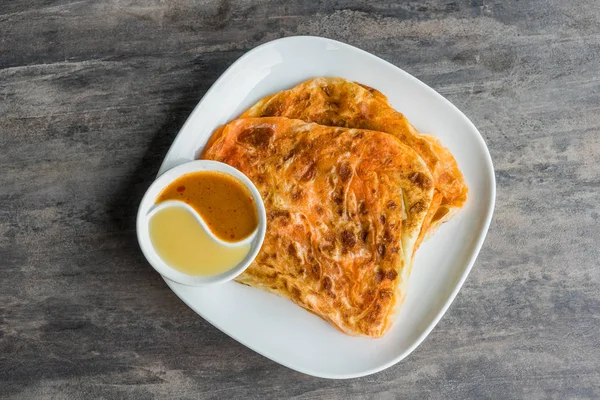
(92, 94)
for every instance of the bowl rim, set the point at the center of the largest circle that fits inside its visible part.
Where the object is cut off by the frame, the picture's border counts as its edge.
(148, 208)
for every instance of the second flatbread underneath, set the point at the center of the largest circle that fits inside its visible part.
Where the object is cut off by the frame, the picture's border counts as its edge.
(336, 230)
(339, 102)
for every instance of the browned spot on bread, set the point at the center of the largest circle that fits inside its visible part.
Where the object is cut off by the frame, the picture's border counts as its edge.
(310, 173)
(273, 108)
(296, 294)
(387, 235)
(362, 208)
(297, 194)
(420, 179)
(256, 137)
(278, 214)
(292, 251)
(316, 270)
(344, 171)
(332, 105)
(364, 235)
(418, 207)
(329, 236)
(289, 155)
(348, 239)
(260, 179)
(391, 274)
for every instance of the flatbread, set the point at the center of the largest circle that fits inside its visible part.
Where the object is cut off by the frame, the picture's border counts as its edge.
(338, 102)
(343, 205)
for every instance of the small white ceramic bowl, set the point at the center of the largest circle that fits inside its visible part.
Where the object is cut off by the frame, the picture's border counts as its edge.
(148, 208)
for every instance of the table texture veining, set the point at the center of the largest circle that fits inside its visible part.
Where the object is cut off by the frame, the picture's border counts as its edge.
(92, 94)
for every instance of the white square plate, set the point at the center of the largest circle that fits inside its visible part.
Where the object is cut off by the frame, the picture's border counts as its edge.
(275, 327)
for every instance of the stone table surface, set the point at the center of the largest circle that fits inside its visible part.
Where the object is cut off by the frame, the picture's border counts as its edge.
(92, 94)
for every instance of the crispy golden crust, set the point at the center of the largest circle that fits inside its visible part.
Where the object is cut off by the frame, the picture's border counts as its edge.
(336, 230)
(338, 102)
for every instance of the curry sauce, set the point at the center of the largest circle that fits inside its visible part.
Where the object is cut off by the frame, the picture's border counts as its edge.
(222, 201)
